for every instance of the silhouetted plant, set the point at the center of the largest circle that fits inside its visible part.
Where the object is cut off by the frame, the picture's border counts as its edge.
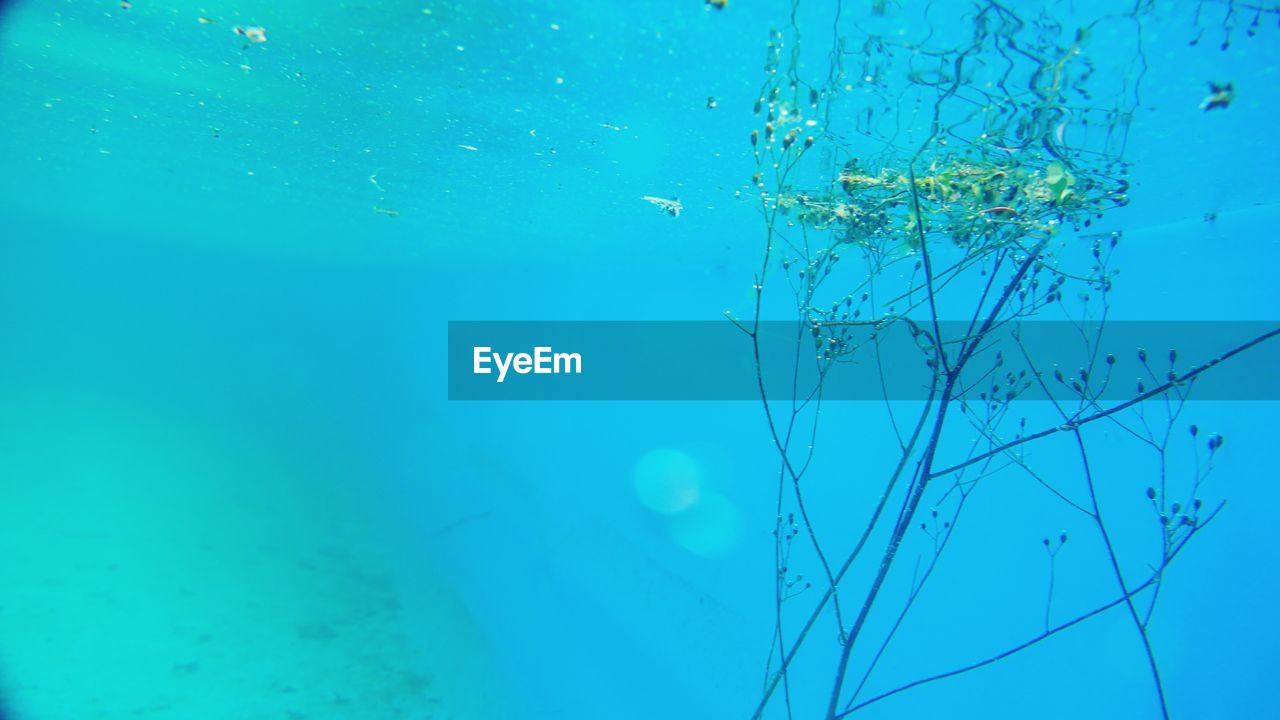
(943, 182)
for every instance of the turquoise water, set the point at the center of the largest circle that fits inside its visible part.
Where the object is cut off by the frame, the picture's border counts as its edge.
(232, 484)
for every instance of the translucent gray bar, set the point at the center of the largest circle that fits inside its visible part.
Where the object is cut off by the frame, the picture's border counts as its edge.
(716, 360)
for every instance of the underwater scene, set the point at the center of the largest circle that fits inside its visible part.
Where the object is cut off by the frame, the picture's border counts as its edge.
(768, 359)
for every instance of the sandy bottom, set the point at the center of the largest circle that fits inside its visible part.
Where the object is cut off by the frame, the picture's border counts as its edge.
(149, 573)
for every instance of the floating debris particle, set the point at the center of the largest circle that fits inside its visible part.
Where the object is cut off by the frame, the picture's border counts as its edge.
(389, 212)
(206, 21)
(671, 206)
(711, 102)
(610, 126)
(254, 34)
(472, 148)
(1059, 180)
(1219, 97)
(374, 180)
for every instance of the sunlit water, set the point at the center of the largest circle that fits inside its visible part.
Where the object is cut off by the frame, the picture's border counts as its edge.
(231, 485)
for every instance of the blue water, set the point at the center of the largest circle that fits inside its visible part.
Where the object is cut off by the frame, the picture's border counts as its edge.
(232, 484)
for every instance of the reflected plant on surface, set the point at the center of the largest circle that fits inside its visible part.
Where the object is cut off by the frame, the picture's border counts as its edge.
(939, 177)
(1223, 20)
